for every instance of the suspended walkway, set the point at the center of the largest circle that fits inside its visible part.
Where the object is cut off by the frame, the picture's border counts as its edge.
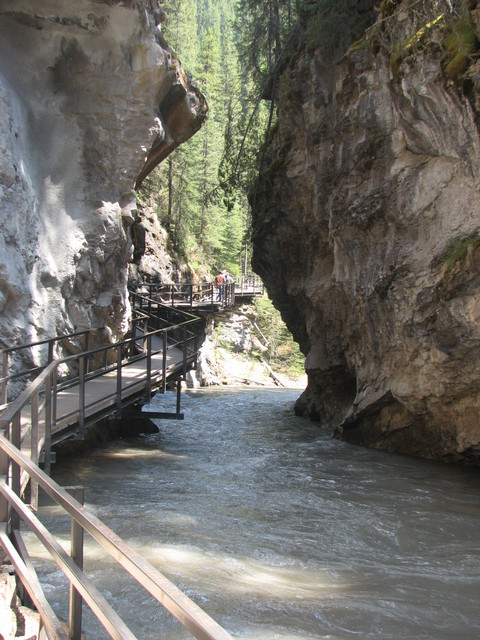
(205, 296)
(162, 347)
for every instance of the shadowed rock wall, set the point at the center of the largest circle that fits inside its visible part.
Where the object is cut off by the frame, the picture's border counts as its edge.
(91, 99)
(366, 233)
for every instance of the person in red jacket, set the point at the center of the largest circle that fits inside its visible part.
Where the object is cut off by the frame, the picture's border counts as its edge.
(219, 283)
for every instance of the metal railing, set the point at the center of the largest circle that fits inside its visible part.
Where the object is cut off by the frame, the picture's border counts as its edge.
(50, 391)
(155, 329)
(204, 295)
(13, 509)
(192, 296)
(249, 285)
(50, 343)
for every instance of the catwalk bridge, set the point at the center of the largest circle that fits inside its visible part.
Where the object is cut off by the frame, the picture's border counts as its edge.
(62, 397)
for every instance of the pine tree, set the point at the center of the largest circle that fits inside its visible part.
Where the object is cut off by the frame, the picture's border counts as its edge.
(202, 187)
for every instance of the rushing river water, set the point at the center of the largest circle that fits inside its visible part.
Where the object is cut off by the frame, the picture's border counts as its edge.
(280, 532)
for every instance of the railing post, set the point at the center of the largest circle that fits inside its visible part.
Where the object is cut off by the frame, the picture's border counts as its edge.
(149, 368)
(191, 297)
(4, 461)
(4, 377)
(34, 449)
(48, 424)
(81, 397)
(54, 398)
(76, 552)
(3, 500)
(15, 438)
(164, 362)
(134, 335)
(184, 340)
(145, 331)
(119, 381)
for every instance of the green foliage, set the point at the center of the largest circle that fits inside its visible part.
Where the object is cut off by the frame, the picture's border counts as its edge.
(205, 229)
(455, 261)
(263, 29)
(283, 355)
(332, 25)
(457, 248)
(461, 44)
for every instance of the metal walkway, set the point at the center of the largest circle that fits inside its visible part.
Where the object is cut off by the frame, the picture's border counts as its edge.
(205, 296)
(56, 405)
(162, 347)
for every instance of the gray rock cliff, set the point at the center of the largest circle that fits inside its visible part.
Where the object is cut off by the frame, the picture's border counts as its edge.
(367, 235)
(91, 100)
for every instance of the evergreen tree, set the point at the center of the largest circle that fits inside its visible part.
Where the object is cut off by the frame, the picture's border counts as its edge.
(204, 227)
(202, 187)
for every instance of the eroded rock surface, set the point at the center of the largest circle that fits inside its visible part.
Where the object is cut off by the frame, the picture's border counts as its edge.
(366, 233)
(91, 99)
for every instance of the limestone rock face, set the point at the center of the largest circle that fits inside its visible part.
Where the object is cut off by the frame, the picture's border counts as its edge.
(366, 233)
(91, 99)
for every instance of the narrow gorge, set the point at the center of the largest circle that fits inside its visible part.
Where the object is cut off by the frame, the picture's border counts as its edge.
(365, 214)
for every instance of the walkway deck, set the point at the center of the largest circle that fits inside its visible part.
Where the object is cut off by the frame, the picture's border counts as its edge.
(104, 395)
(48, 411)
(157, 351)
(56, 412)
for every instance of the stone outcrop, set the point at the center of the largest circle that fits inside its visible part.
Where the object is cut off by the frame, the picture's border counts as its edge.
(230, 353)
(91, 99)
(367, 236)
(18, 622)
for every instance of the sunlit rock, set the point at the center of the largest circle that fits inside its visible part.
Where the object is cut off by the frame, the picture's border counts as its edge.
(91, 99)
(366, 233)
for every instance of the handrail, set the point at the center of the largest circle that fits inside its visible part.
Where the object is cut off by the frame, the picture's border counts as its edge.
(28, 576)
(171, 328)
(5, 352)
(191, 295)
(15, 466)
(192, 617)
(55, 339)
(205, 294)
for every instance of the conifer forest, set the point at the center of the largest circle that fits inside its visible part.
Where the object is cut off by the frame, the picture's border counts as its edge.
(232, 49)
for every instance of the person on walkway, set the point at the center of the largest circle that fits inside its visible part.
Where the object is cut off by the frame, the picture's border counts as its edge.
(219, 284)
(228, 289)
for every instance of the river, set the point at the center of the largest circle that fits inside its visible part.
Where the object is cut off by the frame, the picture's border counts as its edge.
(280, 532)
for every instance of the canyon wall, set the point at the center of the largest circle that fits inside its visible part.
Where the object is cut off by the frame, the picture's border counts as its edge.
(91, 100)
(367, 235)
